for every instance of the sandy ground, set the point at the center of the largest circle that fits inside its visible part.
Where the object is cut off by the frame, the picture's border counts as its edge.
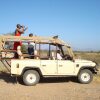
(48, 89)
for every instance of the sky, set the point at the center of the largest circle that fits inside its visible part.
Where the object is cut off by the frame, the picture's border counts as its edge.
(77, 22)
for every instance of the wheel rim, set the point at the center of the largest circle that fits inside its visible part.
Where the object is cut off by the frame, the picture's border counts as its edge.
(31, 78)
(85, 77)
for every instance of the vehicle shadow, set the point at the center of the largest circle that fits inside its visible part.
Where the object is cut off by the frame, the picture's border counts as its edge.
(58, 80)
(7, 77)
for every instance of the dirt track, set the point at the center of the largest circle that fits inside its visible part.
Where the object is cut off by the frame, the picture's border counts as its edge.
(48, 89)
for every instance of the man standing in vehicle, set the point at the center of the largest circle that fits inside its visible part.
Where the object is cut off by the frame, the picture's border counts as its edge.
(19, 30)
(31, 47)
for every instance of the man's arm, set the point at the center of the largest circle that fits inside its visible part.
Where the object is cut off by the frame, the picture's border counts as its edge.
(25, 28)
(22, 29)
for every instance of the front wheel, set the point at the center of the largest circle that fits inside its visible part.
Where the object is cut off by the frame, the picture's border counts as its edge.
(31, 77)
(85, 76)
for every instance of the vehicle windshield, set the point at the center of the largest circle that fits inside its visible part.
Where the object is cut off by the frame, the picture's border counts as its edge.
(65, 50)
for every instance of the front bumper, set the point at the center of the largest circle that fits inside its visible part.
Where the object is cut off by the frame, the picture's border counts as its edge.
(97, 69)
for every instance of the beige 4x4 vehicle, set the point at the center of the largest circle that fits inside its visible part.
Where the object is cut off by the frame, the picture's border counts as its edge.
(46, 62)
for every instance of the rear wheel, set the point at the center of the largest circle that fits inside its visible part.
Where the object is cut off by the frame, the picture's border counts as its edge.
(85, 76)
(31, 77)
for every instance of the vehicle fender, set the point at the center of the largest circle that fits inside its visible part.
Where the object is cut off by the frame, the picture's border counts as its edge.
(31, 68)
(92, 69)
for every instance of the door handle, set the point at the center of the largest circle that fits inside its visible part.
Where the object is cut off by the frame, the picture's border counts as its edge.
(43, 65)
(60, 65)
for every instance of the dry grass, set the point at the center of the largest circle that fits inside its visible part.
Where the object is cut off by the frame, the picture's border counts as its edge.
(93, 56)
(97, 78)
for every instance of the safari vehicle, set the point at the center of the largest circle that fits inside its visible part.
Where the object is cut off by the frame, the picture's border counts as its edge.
(44, 62)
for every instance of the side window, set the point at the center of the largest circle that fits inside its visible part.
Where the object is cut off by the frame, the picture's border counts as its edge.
(53, 51)
(56, 52)
(8, 45)
(44, 51)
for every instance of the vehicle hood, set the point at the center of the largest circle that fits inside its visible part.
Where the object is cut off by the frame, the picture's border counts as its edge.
(86, 62)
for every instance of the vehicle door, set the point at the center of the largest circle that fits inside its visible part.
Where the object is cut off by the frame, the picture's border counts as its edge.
(65, 66)
(48, 65)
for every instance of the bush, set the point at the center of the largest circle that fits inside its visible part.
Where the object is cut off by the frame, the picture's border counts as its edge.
(24, 49)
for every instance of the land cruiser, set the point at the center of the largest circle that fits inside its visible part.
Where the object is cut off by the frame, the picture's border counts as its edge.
(45, 62)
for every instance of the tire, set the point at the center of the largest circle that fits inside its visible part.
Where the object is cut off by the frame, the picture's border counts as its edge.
(85, 76)
(31, 77)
